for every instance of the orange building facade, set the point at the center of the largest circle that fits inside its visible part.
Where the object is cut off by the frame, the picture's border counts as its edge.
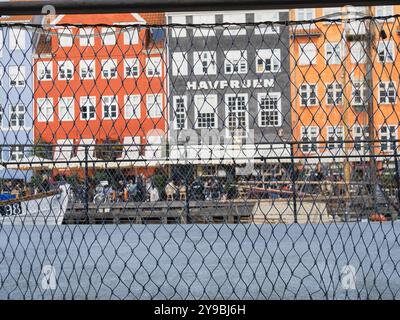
(342, 81)
(96, 84)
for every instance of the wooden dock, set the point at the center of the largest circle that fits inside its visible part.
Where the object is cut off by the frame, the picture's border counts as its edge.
(165, 212)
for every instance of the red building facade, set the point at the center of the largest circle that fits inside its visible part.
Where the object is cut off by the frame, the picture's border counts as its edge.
(100, 84)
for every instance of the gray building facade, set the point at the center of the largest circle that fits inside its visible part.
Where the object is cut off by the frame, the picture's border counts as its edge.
(228, 85)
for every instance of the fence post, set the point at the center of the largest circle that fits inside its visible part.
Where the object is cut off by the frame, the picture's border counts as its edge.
(293, 183)
(86, 184)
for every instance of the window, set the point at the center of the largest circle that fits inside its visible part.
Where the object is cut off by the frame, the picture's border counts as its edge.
(65, 38)
(263, 16)
(16, 153)
(154, 105)
(17, 38)
(110, 107)
(333, 53)
(388, 136)
(330, 11)
(131, 36)
(385, 51)
(108, 36)
(204, 19)
(66, 108)
(270, 113)
(360, 134)
(17, 76)
(234, 18)
(132, 106)
(86, 37)
(205, 111)
(387, 92)
(87, 69)
(235, 61)
(307, 53)
(131, 68)
(236, 115)
(334, 94)
(358, 52)
(109, 69)
(17, 116)
(204, 63)
(268, 60)
(88, 108)
(305, 14)
(180, 114)
(45, 110)
(335, 137)
(45, 70)
(358, 93)
(65, 70)
(153, 67)
(381, 11)
(179, 64)
(309, 136)
(308, 95)
(177, 32)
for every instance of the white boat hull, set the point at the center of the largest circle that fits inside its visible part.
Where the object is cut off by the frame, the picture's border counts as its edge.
(48, 210)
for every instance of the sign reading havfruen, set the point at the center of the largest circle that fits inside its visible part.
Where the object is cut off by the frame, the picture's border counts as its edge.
(233, 84)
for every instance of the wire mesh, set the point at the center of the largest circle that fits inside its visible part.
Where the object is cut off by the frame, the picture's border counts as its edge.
(200, 156)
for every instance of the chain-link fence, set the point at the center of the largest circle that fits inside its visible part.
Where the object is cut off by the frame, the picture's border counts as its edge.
(200, 155)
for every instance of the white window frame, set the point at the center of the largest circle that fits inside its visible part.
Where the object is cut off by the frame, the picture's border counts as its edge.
(131, 36)
(337, 133)
(307, 54)
(336, 95)
(389, 87)
(131, 68)
(90, 73)
(384, 11)
(17, 74)
(235, 59)
(68, 67)
(204, 59)
(86, 37)
(311, 133)
(129, 102)
(308, 89)
(202, 105)
(358, 54)
(154, 67)
(44, 70)
(276, 111)
(66, 109)
(234, 18)
(107, 66)
(387, 50)
(48, 104)
(387, 136)
(180, 113)
(83, 102)
(17, 38)
(17, 153)
(305, 14)
(206, 18)
(178, 32)
(266, 15)
(236, 118)
(109, 36)
(65, 38)
(17, 111)
(362, 91)
(360, 134)
(112, 103)
(179, 64)
(154, 105)
(333, 53)
(268, 59)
